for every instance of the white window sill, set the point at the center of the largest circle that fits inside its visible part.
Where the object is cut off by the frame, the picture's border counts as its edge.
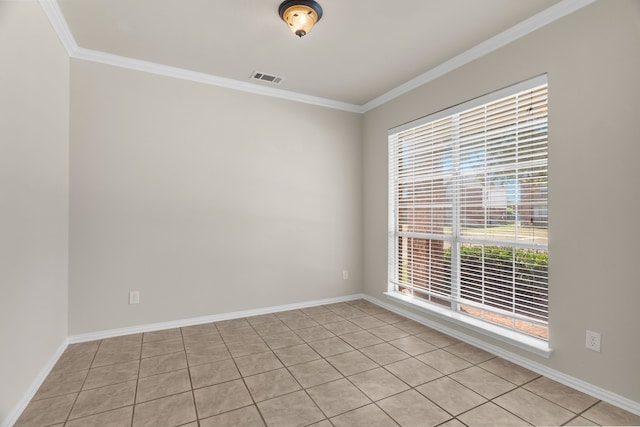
(522, 341)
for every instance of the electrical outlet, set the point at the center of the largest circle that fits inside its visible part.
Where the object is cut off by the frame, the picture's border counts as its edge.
(345, 274)
(134, 297)
(593, 341)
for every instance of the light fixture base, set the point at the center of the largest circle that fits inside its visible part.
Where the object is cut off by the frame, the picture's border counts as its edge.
(300, 15)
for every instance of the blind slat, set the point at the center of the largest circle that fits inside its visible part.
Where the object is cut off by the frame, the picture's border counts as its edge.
(469, 192)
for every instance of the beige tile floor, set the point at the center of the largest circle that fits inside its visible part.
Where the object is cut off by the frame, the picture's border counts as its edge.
(345, 364)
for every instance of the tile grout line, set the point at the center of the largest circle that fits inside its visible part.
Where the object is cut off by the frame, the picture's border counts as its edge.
(337, 370)
(581, 414)
(342, 332)
(67, 420)
(193, 393)
(371, 401)
(414, 388)
(83, 383)
(321, 358)
(453, 417)
(242, 376)
(135, 395)
(502, 394)
(378, 365)
(493, 398)
(302, 388)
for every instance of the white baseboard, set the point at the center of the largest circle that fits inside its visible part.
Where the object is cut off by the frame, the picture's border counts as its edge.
(558, 376)
(580, 385)
(13, 416)
(91, 336)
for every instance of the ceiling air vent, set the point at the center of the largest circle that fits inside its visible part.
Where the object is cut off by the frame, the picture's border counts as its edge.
(264, 77)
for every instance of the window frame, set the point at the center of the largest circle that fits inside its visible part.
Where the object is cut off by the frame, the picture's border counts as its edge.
(531, 343)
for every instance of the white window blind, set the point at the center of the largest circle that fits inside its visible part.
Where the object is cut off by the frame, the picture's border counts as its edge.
(468, 209)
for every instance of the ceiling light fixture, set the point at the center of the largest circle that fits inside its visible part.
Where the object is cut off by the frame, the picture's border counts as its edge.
(300, 15)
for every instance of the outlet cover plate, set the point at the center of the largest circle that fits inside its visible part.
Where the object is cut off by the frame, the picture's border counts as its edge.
(134, 297)
(593, 341)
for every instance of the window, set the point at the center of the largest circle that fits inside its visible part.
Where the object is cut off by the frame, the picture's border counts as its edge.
(468, 210)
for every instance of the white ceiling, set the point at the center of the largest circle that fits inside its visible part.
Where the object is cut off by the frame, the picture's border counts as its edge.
(358, 52)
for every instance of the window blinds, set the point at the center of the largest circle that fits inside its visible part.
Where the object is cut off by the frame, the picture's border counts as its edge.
(468, 208)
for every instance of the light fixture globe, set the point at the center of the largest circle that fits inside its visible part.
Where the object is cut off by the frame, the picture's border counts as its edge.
(300, 15)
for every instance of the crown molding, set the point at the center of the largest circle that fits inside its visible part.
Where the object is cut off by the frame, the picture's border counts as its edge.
(209, 79)
(547, 16)
(59, 24)
(537, 21)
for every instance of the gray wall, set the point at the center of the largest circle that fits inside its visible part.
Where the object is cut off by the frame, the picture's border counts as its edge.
(205, 199)
(34, 172)
(592, 58)
(211, 201)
